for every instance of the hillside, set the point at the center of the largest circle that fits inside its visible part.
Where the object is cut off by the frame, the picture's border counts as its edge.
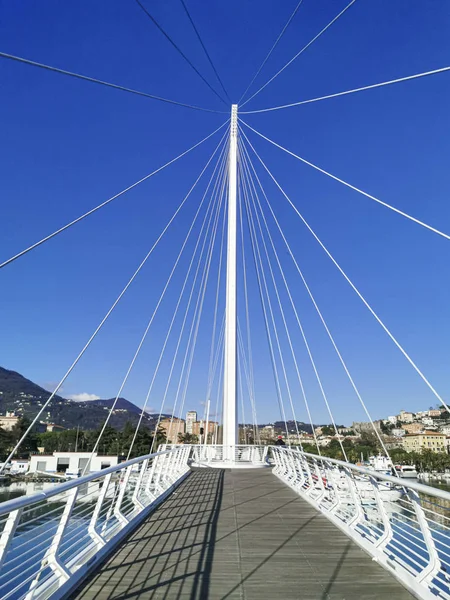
(25, 397)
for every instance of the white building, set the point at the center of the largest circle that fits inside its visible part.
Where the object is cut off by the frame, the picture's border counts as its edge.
(405, 416)
(398, 432)
(191, 418)
(392, 420)
(19, 467)
(421, 413)
(70, 463)
(428, 421)
(325, 441)
(8, 421)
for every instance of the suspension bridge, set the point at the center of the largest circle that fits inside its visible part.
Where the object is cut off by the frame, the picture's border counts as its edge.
(221, 519)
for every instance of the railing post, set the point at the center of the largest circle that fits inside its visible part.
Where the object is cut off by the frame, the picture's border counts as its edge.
(320, 480)
(434, 564)
(170, 467)
(290, 475)
(137, 489)
(159, 464)
(53, 551)
(333, 494)
(384, 539)
(309, 475)
(179, 456)
(299, 469)
(122, 489)
(51, 558)
(286, 465)
(354, 493)
(186, 454)
(99, 539)
(8, 533)
(150, 479)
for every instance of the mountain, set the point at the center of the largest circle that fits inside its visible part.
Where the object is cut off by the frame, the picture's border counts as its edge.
(122, 404)
(26, 398)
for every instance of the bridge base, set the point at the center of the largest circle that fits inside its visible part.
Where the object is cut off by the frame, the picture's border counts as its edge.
(229, 464)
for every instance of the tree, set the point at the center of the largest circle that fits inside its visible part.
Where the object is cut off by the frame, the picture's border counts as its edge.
(369, 439)
(328, 430)
(126, 438)
(142, 443)
(6, 443)
(386, 428)
(187, 438)
(30, 442)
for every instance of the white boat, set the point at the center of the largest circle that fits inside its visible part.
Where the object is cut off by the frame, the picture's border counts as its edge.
(406, 471)
(388, 491)
(381, 464)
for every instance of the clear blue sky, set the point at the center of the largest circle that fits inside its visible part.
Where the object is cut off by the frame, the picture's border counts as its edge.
(67, 145)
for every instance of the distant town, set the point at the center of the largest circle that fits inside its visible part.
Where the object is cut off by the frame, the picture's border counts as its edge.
(412, 432)
(421, 439)
(428, 429)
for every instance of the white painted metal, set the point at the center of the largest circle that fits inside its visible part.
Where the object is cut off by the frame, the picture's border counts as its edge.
(85, 519)
(230, 429)
(51, 540)
(239, 455)
(409, 536)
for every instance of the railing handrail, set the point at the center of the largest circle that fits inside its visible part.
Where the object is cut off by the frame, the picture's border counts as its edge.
(403, 482)
(23, 501)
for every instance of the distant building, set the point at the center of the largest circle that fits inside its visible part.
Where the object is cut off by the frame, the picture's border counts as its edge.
(19, 467)
(202, 425)
(344, 430)
(413, 427)
(445, 429)
(191, 418)
(398, 432)
(267, 434)
(421, 413)
(73, 463)
(392, 442)
(171, 428)
(427, 421)
(8, 421)
(325, 441)
(434, 412)
(405, 416)
(392, 420)
(429, 440)
(53, 427)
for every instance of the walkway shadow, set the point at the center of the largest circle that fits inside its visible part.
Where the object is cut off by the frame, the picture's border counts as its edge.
(171, 554)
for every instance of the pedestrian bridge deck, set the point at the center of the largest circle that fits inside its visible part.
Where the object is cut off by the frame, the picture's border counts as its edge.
(238, 534)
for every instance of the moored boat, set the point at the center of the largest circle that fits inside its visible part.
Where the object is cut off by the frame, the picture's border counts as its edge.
(406, 471)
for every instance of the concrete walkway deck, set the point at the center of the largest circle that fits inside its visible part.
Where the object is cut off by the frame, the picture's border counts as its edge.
(239, 535)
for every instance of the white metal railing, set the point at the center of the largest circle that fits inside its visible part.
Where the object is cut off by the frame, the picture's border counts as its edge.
(49, 541)
(243, 454)
(404, 525)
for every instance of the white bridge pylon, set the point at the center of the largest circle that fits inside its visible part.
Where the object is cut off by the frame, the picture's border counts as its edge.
(230, 429)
